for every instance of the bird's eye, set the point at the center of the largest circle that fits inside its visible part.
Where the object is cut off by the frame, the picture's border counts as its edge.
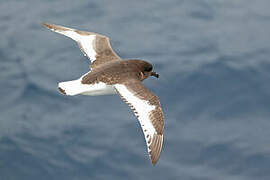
(149, 68)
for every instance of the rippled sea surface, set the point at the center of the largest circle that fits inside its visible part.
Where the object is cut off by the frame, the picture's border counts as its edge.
(213, 58)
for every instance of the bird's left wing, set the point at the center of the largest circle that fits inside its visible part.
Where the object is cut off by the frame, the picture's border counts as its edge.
(146, 107)
(95, 46)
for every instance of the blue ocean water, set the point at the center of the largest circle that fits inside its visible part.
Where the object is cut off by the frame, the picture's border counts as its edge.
(213, 61)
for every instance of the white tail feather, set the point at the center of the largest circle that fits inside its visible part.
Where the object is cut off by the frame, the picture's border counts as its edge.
(76, 87)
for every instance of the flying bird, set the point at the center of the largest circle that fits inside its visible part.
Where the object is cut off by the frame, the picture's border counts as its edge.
(109, 74)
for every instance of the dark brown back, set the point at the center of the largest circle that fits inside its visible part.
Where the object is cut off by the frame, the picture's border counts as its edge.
(116, 72)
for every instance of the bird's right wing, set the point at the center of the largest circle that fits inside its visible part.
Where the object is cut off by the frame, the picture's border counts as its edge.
(146, 107)
(97, 47)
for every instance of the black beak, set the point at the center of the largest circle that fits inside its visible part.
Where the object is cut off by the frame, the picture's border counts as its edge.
(155, 74)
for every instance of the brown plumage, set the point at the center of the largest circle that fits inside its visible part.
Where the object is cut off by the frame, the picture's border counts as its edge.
(110, 74)
(117, 72)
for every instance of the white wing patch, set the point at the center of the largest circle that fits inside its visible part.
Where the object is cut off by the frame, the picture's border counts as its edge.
(76, 87)
(141, 109)
(85, 42)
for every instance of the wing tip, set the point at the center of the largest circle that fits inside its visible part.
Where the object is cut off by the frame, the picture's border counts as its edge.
(47, 25)
(55, 27)
(155, 148)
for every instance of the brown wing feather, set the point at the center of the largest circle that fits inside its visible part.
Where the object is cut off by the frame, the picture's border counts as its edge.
(100, 44)
(154, 141)
(156, 116)
(104, 51)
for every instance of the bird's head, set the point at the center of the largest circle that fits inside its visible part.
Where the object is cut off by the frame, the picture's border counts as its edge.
(147, 71)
